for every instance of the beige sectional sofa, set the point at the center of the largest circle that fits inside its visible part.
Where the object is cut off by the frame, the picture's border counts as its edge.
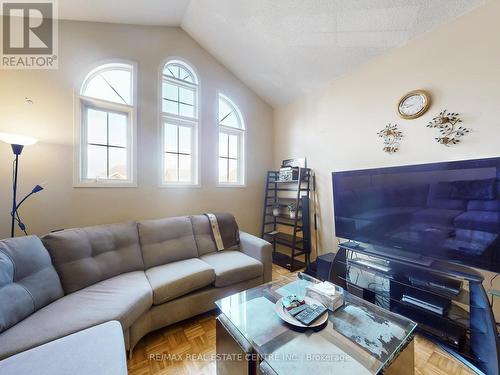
(146, 275)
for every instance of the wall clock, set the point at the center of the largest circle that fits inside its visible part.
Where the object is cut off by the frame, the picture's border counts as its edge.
(414, 104)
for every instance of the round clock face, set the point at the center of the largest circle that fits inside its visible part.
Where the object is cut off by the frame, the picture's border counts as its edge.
(414, 104)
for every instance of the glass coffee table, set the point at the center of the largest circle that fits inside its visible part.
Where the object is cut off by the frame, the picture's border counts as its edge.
(358, 338)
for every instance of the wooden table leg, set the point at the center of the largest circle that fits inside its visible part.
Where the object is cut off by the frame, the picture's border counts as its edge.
(234, 353)
(404, 364)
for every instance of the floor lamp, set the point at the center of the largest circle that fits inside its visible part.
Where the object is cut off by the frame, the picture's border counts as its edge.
(17, 143)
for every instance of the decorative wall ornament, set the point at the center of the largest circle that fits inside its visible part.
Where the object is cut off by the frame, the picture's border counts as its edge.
(392, 138)
(447, 122)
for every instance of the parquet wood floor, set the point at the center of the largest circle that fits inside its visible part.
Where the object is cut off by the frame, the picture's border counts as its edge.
(188, 348)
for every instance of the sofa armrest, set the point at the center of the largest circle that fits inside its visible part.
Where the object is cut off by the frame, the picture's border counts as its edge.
(259, 249)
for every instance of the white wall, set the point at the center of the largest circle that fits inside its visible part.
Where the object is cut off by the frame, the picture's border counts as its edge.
(458, 63)
(51, 120)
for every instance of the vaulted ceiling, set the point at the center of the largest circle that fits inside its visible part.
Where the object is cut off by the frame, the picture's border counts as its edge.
(283, 49)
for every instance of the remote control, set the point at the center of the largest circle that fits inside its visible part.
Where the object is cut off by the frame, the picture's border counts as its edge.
(310, 314)
(298, 309)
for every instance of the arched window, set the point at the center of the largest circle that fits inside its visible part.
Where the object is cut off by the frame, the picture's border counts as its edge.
(179, 124)
(107, 110)
(231, 143)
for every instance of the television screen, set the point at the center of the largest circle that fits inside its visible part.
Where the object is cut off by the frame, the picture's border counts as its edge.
(448, 211)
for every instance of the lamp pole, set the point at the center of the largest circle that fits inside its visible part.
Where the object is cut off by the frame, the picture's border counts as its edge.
(17, 142)
(17, 149)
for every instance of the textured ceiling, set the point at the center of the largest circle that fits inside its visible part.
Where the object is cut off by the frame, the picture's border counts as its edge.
(283, 49)
(138, 12)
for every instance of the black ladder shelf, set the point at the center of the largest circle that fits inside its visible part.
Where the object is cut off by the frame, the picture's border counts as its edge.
(281, 194)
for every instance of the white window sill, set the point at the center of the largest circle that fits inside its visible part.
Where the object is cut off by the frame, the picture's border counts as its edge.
(237, 186)
(179, 186)
(105, 185)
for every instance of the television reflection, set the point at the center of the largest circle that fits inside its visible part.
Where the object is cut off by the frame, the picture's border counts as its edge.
(446, 210)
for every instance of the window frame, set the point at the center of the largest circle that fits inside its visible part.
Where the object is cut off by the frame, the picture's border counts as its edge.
(106, 68)
(179, 120)
(82, 104)
(240, 132)
(194, 145)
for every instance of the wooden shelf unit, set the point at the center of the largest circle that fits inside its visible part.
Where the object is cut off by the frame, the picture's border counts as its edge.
(274, 227)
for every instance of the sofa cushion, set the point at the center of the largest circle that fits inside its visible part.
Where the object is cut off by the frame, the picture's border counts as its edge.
(472, 189)
(176, 279)
(483, 205)
(203, 234)
(408, 195)
(228, 228)
(85, 256)
(440, 197)
(28, 281)
(448, 204)
(438, 216)
(372, 198)
(232, 267)
(386, 212)
(123, 298)
(486, 221)
(167, 240)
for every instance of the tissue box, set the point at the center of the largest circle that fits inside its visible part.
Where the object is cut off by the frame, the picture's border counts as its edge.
(330, 295)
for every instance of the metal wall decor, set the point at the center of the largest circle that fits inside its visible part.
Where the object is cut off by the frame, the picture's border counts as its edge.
(392, 138)
(447, 122)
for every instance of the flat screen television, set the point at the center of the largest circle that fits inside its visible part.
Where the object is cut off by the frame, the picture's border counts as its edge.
(447, 211)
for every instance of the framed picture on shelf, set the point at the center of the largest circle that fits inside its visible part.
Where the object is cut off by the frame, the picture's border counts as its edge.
(295, 162)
